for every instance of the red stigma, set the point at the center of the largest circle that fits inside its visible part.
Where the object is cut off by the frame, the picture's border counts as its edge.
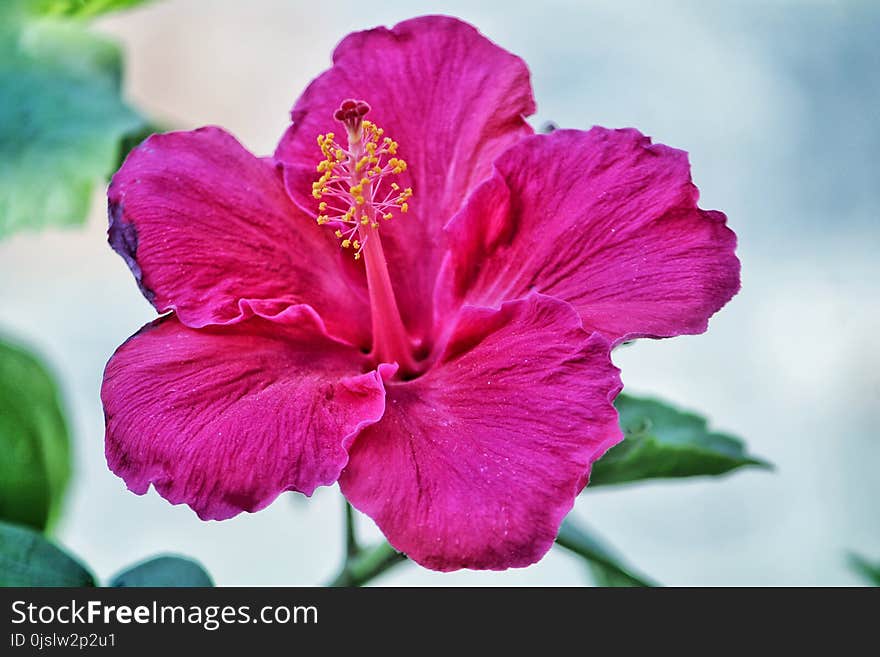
(351, 112)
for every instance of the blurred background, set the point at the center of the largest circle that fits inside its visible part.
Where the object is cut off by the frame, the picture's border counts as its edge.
(777, 103)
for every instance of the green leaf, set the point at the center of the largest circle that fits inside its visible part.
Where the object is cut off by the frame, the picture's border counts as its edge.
(34, 441)
(61, 118)
(662, 441)
(82, 8)
(134, 139)
(165, 570)
(28, 559)
(868, 570)
(609, 578)
(607, 568)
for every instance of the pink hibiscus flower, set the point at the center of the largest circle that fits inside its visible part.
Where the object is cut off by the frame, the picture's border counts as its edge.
(450, 367)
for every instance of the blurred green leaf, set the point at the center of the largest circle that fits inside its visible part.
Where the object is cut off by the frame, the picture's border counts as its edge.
(134, 139)
(662, 441)
(82, 8)
(607, 568)
(61, 117)
(868, 570)
(34, 441)
(28, 559)
(165, 570)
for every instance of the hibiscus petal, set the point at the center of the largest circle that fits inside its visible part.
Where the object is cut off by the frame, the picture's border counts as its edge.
(226, 418)
(451, 98)
(208, 230)
(603, 219)
(476, 463)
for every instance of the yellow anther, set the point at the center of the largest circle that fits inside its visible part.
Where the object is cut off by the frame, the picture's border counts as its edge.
(362, 178)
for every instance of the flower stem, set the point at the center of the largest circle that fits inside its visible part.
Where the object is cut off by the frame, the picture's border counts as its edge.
(370, 563)
(352, 549)
(363, 564)
(583, 543)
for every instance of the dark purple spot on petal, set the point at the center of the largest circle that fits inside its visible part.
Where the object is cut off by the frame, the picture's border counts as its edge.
(123, 238)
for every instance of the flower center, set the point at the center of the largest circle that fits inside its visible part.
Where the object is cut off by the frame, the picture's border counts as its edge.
(355, 191)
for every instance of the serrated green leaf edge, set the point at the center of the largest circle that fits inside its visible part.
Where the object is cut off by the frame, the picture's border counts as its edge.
(727, 451)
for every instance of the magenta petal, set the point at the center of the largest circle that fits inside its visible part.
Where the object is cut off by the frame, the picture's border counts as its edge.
(451, 98)
(476, 463)
(224, 419)
(603, 219)
(208, 231)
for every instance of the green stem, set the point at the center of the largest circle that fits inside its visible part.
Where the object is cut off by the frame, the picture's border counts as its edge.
(370, 563)
(580, 542)
(352, 548)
